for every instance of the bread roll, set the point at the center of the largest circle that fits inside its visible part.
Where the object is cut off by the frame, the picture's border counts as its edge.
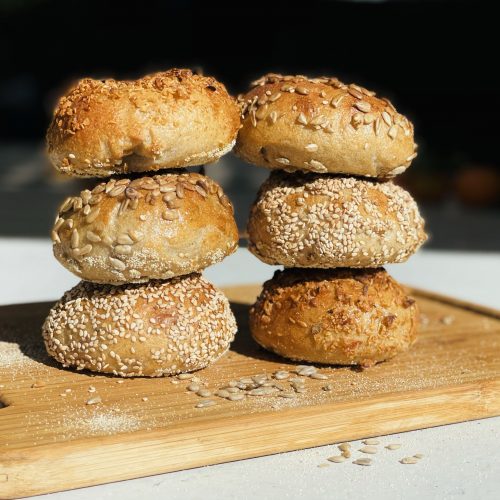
(134, 230)
(169, 119)
(161, 328)
(323, 221)
(340, 316)
(322, 125)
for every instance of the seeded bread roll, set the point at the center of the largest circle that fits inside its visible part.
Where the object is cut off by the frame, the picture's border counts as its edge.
(321, 125)
(323, 221)
(161, 328)
(131, 231)
(338, 316)
(170, 119)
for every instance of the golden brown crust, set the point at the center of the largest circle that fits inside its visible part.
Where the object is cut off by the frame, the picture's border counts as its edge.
(322, 125)
(131, 231)
(161, 328)
(324, 221)
(341, 316)
(165, 120)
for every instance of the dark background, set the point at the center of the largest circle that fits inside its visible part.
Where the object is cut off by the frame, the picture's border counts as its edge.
(435, 60)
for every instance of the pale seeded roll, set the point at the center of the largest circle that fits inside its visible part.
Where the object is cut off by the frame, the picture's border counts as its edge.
(170, 119)
(131, 231)
(339, 316)
(322, 125)
(161, 328)
(324, 221)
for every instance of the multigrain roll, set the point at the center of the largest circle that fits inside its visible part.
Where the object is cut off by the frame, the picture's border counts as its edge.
(323, 125)
(324, 221)
(165, 120)
(161, 328)
(339, 316)
(134, 230)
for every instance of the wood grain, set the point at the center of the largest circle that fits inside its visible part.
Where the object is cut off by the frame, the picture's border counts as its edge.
(50, 440)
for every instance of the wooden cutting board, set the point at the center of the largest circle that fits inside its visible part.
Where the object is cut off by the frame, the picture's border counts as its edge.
(50, 440)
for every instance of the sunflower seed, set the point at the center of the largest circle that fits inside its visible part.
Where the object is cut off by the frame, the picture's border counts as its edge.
(123, 249)
(371, 450)
(275, 97)
(369, 118)
(205, 403)
(344, 446)
(193, 387)
(116, 191)
(363, 106)
(261, 391)
(281, 375)
(317, 166)
(319, 376)
(170, 215)
(377, 126)
(75, 239)
(363, 461)
(222, 393)
(301, 90)
(393, 132)
(282, 160)
(337, 459)
(411, 157)
(262, 100)
(236, 397)
(94, 400)
(117, 264)
(137, 236)
(394, 446)
(418, 456)
(318, 120)
(204, 393)
(408, 460)
(312, 148)
(273, 116)
(78, 252)
(92, 216)
(371, 441)
(179, 190)
(301, 118)
(124, 239)
(327, 387)
(185, 376)
(387, 118)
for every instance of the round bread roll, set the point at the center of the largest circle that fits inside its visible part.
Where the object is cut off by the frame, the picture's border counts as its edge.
(321, 125)
(131, 231)
(170, 119)
(336, 316)
(161, 328)
(323, 221)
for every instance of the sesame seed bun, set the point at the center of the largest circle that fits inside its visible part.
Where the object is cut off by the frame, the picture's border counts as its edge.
(339, 316)
(161, 328)
(321, 125)
(165, 120)
(134, 230)
(325, 221)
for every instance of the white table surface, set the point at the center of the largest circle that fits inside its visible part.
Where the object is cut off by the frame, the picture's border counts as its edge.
(461, 461)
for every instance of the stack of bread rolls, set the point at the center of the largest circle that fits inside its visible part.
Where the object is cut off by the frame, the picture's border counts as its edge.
(139, 239)
(330, 214)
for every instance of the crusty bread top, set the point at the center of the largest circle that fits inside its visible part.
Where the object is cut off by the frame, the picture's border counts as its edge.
(323, 125)
(169, 119)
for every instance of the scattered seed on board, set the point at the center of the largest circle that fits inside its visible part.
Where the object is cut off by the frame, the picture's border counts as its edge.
(93, 401)
(394, 446)
(185, 376)
(337, 459)
(408, 460)
(371, 450)
(204, 393)
(346, 453)
(371, 441)
(363, 461)
(344, 446)
(205, 403)
(418, 456)
(193, 387)
(321, 466)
